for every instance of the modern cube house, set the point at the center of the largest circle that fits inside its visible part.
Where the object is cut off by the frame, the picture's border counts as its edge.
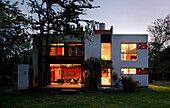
(63, 65)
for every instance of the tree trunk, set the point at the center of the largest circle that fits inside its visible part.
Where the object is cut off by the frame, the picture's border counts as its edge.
(39, 61)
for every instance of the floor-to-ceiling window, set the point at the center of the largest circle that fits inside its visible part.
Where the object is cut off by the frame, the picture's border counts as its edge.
(106, 51)
(65, 73)
(106, 77)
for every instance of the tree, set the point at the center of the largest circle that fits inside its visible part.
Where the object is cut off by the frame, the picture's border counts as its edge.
(159, 33)
(57, 18)
(92, 67)
(14, 37)
(163, 69)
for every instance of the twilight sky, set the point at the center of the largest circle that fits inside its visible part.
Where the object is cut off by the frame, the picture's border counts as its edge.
(129, 16)
(126, 16)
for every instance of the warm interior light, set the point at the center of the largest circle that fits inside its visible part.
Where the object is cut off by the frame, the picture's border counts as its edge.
(124, 71)
(128, 52)
(128, 70)
(132, 71)
(106, 77)
(106, 51)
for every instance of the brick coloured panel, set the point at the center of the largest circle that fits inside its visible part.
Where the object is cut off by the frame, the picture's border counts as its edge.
(141, 45)
(141, 70)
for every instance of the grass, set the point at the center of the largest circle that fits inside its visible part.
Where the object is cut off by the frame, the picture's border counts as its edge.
(156, 95)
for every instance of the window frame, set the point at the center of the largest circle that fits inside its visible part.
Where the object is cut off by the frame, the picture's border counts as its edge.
(128, 70)
(128, 51)
(102, 73)
(110, 50)
(77, 46)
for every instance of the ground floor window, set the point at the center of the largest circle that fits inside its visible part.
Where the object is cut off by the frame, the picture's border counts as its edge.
(65, 73)
(106, 77)
(128, 70)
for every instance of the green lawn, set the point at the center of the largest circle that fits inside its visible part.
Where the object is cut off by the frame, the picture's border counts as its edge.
(156, 96)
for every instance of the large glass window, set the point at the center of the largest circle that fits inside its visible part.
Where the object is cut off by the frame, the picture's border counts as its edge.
(57, 49)
(106, 77)
(128, 70)
(64, 73)
(61, 49)
(128, 52)
(106, 51)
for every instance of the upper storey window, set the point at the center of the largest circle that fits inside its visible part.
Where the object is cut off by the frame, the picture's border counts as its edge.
(63, 49)
(106, 51)
(57, 49)
(128, 52)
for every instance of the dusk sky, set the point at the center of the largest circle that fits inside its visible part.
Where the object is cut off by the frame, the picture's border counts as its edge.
(126, 16)
(129, 16)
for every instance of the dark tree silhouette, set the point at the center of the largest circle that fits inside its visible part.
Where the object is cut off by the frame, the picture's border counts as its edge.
(57, 18)
(14, 37)
(159, 33)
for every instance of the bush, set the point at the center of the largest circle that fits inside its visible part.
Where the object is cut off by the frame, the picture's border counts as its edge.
(115, 76)
(128, 83)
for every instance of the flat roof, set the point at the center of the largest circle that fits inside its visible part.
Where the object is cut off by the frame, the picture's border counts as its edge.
(130, 34)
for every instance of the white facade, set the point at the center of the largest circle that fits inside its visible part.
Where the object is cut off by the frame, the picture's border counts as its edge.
(94, 50)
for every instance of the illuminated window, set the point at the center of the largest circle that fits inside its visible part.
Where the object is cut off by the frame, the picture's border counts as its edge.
(106, 77)
(61, 49)
(128, 52)
(106, 51)
(57, 49)
(75, 51)
(128, 70)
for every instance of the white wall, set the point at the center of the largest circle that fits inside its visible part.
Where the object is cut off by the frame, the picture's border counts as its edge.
(142, 56)
(93, 49)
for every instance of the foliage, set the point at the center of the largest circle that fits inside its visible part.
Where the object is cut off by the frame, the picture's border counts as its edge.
(55, 20)
(163, 69)
(159, 33)
(93, 67)
(115, 76)
(14, 37)
(60, 17)
(128, 83)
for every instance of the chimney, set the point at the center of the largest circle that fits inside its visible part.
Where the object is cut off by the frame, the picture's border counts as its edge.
(101, 26)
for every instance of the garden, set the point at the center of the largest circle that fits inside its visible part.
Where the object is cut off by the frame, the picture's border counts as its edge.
(156, 95)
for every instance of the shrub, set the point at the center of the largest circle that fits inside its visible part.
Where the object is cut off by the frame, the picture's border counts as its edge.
(128, 83)
(115, 76)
